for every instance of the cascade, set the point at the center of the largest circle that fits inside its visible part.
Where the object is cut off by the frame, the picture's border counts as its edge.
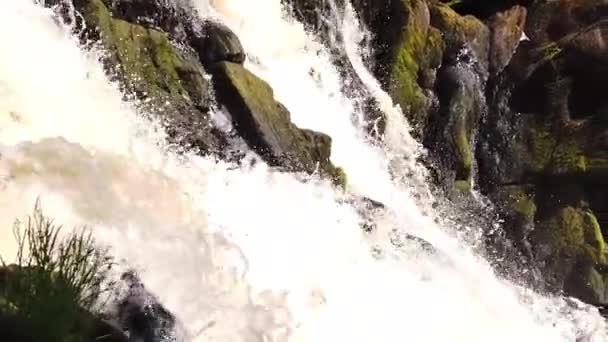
(246, 252)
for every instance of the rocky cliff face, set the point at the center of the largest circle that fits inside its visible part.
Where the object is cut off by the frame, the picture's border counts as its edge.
(520, 110)
(504, 94)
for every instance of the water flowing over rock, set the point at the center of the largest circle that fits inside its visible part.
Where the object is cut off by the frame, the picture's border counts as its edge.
(540, 146)
(265, 124)
(163, 51)
(207, 143)
(512, 80)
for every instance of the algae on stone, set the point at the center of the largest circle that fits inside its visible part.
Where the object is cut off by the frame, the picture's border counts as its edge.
(552, 152)
(265, 123)
(415, 52)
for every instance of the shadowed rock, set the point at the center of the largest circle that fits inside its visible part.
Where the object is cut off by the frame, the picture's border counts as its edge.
(141, 315)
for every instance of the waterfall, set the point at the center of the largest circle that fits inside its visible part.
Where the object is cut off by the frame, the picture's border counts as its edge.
(248, 253)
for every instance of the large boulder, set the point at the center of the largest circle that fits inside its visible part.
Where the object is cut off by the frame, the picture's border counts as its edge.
(216, 43)
(265, 123)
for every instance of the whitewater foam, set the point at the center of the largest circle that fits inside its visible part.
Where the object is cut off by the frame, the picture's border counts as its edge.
(246, 253)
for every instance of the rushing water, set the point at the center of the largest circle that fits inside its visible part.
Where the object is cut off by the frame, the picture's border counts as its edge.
(249, 253)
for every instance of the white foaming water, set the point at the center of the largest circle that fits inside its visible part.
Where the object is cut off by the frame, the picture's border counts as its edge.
(246, 254)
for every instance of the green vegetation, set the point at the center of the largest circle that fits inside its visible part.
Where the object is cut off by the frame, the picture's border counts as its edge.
(53, 280)
(548, 52)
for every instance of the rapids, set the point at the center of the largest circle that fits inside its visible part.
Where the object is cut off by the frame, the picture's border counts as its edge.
(248, 253)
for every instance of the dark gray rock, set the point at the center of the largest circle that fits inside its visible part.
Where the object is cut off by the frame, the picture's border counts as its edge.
(216, 43)
(141, 315)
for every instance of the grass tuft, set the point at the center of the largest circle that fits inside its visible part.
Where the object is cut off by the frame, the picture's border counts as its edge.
(54, 279)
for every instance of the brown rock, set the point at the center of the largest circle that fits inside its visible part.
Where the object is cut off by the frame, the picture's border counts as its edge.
(506, 32)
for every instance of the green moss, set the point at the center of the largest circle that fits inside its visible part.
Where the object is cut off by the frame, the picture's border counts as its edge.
(434, 48)
(257, 94)
(462, 187)
(149, 63)
(576, 233)
(593, 234)
(554, 153)
(267, 126)
(339, 177)
(461, 136)
(459, 30)
(417, 48)
(520, 201)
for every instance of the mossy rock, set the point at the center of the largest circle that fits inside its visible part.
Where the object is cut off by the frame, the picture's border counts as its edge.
(572, 233)
(168, 82)
(149, 62)
(553, 152)
(462, 31)
(460, 189)
(461, 110)
(407, 50)
(411, 62)
(519, 200)
(265, 123)
(451, 130)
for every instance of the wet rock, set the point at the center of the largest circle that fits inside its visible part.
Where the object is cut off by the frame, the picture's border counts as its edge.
(217, 43)
(462, 32)
(589, 283)
(169, 82)
(506, 32)
(566, 238)
(213, 41)
(265, 123)
(485, 9)
(141, 315)
(450, 133)
(175, 17)
(367, 209)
